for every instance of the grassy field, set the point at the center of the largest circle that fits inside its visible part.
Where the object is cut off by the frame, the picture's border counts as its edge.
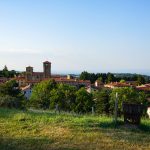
(49, 131)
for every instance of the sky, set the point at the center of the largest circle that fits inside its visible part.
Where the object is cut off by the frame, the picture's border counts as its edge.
(76, 35)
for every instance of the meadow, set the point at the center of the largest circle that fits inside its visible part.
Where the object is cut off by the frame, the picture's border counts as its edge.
(47, 130)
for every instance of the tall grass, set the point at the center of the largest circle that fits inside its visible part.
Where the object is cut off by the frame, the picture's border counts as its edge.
(36, 129)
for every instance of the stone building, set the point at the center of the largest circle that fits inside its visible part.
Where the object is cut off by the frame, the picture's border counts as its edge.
(30, 75)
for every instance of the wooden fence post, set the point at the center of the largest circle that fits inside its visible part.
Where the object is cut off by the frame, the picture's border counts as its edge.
(93, 111)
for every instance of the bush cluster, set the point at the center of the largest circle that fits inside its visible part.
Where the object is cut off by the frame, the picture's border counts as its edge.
(11, 96)
(48, 94)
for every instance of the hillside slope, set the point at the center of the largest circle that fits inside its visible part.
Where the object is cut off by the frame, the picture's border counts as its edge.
(49, 131)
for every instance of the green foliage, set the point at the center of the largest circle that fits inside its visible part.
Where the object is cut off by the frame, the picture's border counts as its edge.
(102, 99)
(11, 102)
(84, 75)
(5, 72)
(110, 78)
(40, 97)
(11, 96)
(122, 81)
(88, 76)
(100, 79)
(49, 94)
(99, 76)
(10, 88)
(63, 96)
(127, 95)
(140, 80)
(83, 102)
(8, 74)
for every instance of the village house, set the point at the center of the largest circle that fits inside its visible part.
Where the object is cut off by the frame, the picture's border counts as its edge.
(148, 112)
(98, 84)
(113, 85)
(27, 91)
(144, 87)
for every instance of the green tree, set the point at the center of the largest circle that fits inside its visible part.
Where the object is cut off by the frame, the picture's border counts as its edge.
(10, 88)
(100, 79)
(40, 97)
(102, 99)
(140, 80)
(12, 73)
(88, 76)
(84, 101)
(127, 95)
(93, 77)
(110, 78)
(85, 75)
(10, 95)
(63, 96)
(10, 102)
(5, 72)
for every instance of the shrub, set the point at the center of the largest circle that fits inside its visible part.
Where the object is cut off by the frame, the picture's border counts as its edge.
(127, 95)
(11, 102)
(102, 99)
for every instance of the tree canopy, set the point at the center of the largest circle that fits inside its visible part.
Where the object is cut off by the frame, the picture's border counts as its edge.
(8, 74)
(126, 95)
(40, 97)
(10, 95)
(83, 102)
(101, 99)
(110, 77)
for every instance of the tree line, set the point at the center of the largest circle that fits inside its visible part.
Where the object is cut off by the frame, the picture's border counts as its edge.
(50, 95)
(109, 77)
(8, 74)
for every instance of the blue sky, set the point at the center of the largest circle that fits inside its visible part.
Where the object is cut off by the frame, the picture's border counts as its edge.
(76, 35)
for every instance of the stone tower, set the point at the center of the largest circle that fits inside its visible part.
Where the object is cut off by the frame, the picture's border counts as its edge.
(29, 73)
(47, 69)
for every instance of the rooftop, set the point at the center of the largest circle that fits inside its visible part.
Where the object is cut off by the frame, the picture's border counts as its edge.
(47, 62)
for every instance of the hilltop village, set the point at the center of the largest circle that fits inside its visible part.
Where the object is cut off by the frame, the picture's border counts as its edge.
(29, 77)
(26, 80)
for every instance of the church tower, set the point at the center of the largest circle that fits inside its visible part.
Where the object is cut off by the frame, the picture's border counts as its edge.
(29, 73)
(47, 69)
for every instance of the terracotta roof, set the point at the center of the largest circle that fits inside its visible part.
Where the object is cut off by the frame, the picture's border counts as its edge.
(145, 87)
(19, 78)
(71, 80)
(57, 76)
(117, 84)
(134, 83)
